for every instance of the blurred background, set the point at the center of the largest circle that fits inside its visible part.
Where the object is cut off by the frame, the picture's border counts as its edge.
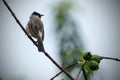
(90, 25)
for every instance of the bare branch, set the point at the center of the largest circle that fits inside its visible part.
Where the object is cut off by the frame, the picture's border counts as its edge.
(115, 59)
(62, 69)
(84, 73)
(79, 72)
(18, 21)
(65, 68)
(81, 68)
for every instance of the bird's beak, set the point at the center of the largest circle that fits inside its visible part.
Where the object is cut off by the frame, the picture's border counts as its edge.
(42, 15)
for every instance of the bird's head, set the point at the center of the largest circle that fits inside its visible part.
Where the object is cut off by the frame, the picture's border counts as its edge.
(37, 14)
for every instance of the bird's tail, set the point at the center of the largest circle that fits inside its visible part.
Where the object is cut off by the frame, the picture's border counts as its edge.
(40, 45)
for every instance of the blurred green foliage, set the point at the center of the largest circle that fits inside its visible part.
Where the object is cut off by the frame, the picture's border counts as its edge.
(67, 35)
(70, 43)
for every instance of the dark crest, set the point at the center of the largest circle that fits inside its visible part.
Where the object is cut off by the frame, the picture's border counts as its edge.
(36, 13)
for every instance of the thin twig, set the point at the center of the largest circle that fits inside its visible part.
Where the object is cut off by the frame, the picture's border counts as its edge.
(84, 73)
(65, 68)
(81, 68)
(62, 69)
(115, 59)
(79, 72)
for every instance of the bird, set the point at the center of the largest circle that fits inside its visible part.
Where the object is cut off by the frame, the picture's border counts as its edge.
(35, 28)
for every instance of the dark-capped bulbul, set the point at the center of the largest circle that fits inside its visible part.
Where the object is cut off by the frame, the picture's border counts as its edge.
(35, 29)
